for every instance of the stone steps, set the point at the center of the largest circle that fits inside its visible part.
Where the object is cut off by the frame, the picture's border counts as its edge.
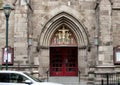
(67, 80)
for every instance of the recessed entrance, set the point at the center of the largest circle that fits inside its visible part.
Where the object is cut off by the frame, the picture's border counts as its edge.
(61, 34)
(63, 61)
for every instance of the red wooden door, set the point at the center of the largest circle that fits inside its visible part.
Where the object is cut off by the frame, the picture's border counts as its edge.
(63, 61)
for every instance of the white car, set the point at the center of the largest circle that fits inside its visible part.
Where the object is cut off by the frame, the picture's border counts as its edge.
(20, 78)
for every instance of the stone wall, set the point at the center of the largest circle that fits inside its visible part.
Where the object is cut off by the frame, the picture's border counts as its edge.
(44, 11)
(26, 23)
(116, 22)
(17, 36)
(105, 34)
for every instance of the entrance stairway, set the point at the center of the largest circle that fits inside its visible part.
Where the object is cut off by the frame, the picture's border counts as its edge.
(67, 80)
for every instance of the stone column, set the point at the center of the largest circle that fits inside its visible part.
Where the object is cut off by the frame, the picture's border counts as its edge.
(105, 45)
(20, 33)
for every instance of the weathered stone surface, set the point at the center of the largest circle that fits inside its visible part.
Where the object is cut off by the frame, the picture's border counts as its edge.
(24, 22)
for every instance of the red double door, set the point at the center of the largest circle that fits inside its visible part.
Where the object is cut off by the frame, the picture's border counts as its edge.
(63, 61)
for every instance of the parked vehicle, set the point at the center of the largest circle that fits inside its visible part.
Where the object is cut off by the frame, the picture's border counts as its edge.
(21, 78)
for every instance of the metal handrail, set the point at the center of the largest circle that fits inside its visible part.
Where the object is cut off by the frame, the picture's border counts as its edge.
(47, 72)
(79, 75)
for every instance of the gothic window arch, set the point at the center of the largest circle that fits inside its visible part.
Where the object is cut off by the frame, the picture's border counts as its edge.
(63, 36)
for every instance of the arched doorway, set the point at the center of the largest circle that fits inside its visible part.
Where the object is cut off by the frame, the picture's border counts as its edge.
(49, 40)
(63, 53)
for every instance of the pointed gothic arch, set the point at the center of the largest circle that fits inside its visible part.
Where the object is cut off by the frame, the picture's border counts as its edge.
(71, 22)
(63, 36)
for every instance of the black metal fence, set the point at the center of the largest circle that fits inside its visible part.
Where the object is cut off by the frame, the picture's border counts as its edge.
(107, 78)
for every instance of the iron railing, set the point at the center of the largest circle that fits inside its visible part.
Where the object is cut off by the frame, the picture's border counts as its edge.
(107, 78)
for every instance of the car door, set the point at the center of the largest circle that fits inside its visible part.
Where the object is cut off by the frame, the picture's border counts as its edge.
(17, 79)
(4, 79)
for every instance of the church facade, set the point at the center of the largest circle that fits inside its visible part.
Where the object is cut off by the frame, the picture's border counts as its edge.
(59, 38)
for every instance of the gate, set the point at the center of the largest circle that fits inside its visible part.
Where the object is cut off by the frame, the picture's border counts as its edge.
(107, 78)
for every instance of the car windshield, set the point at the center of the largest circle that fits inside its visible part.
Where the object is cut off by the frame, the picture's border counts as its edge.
(34, 78)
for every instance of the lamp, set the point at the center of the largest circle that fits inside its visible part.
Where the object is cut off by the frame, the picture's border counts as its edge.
(7, 10)
(96, 42)
(30, 40)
